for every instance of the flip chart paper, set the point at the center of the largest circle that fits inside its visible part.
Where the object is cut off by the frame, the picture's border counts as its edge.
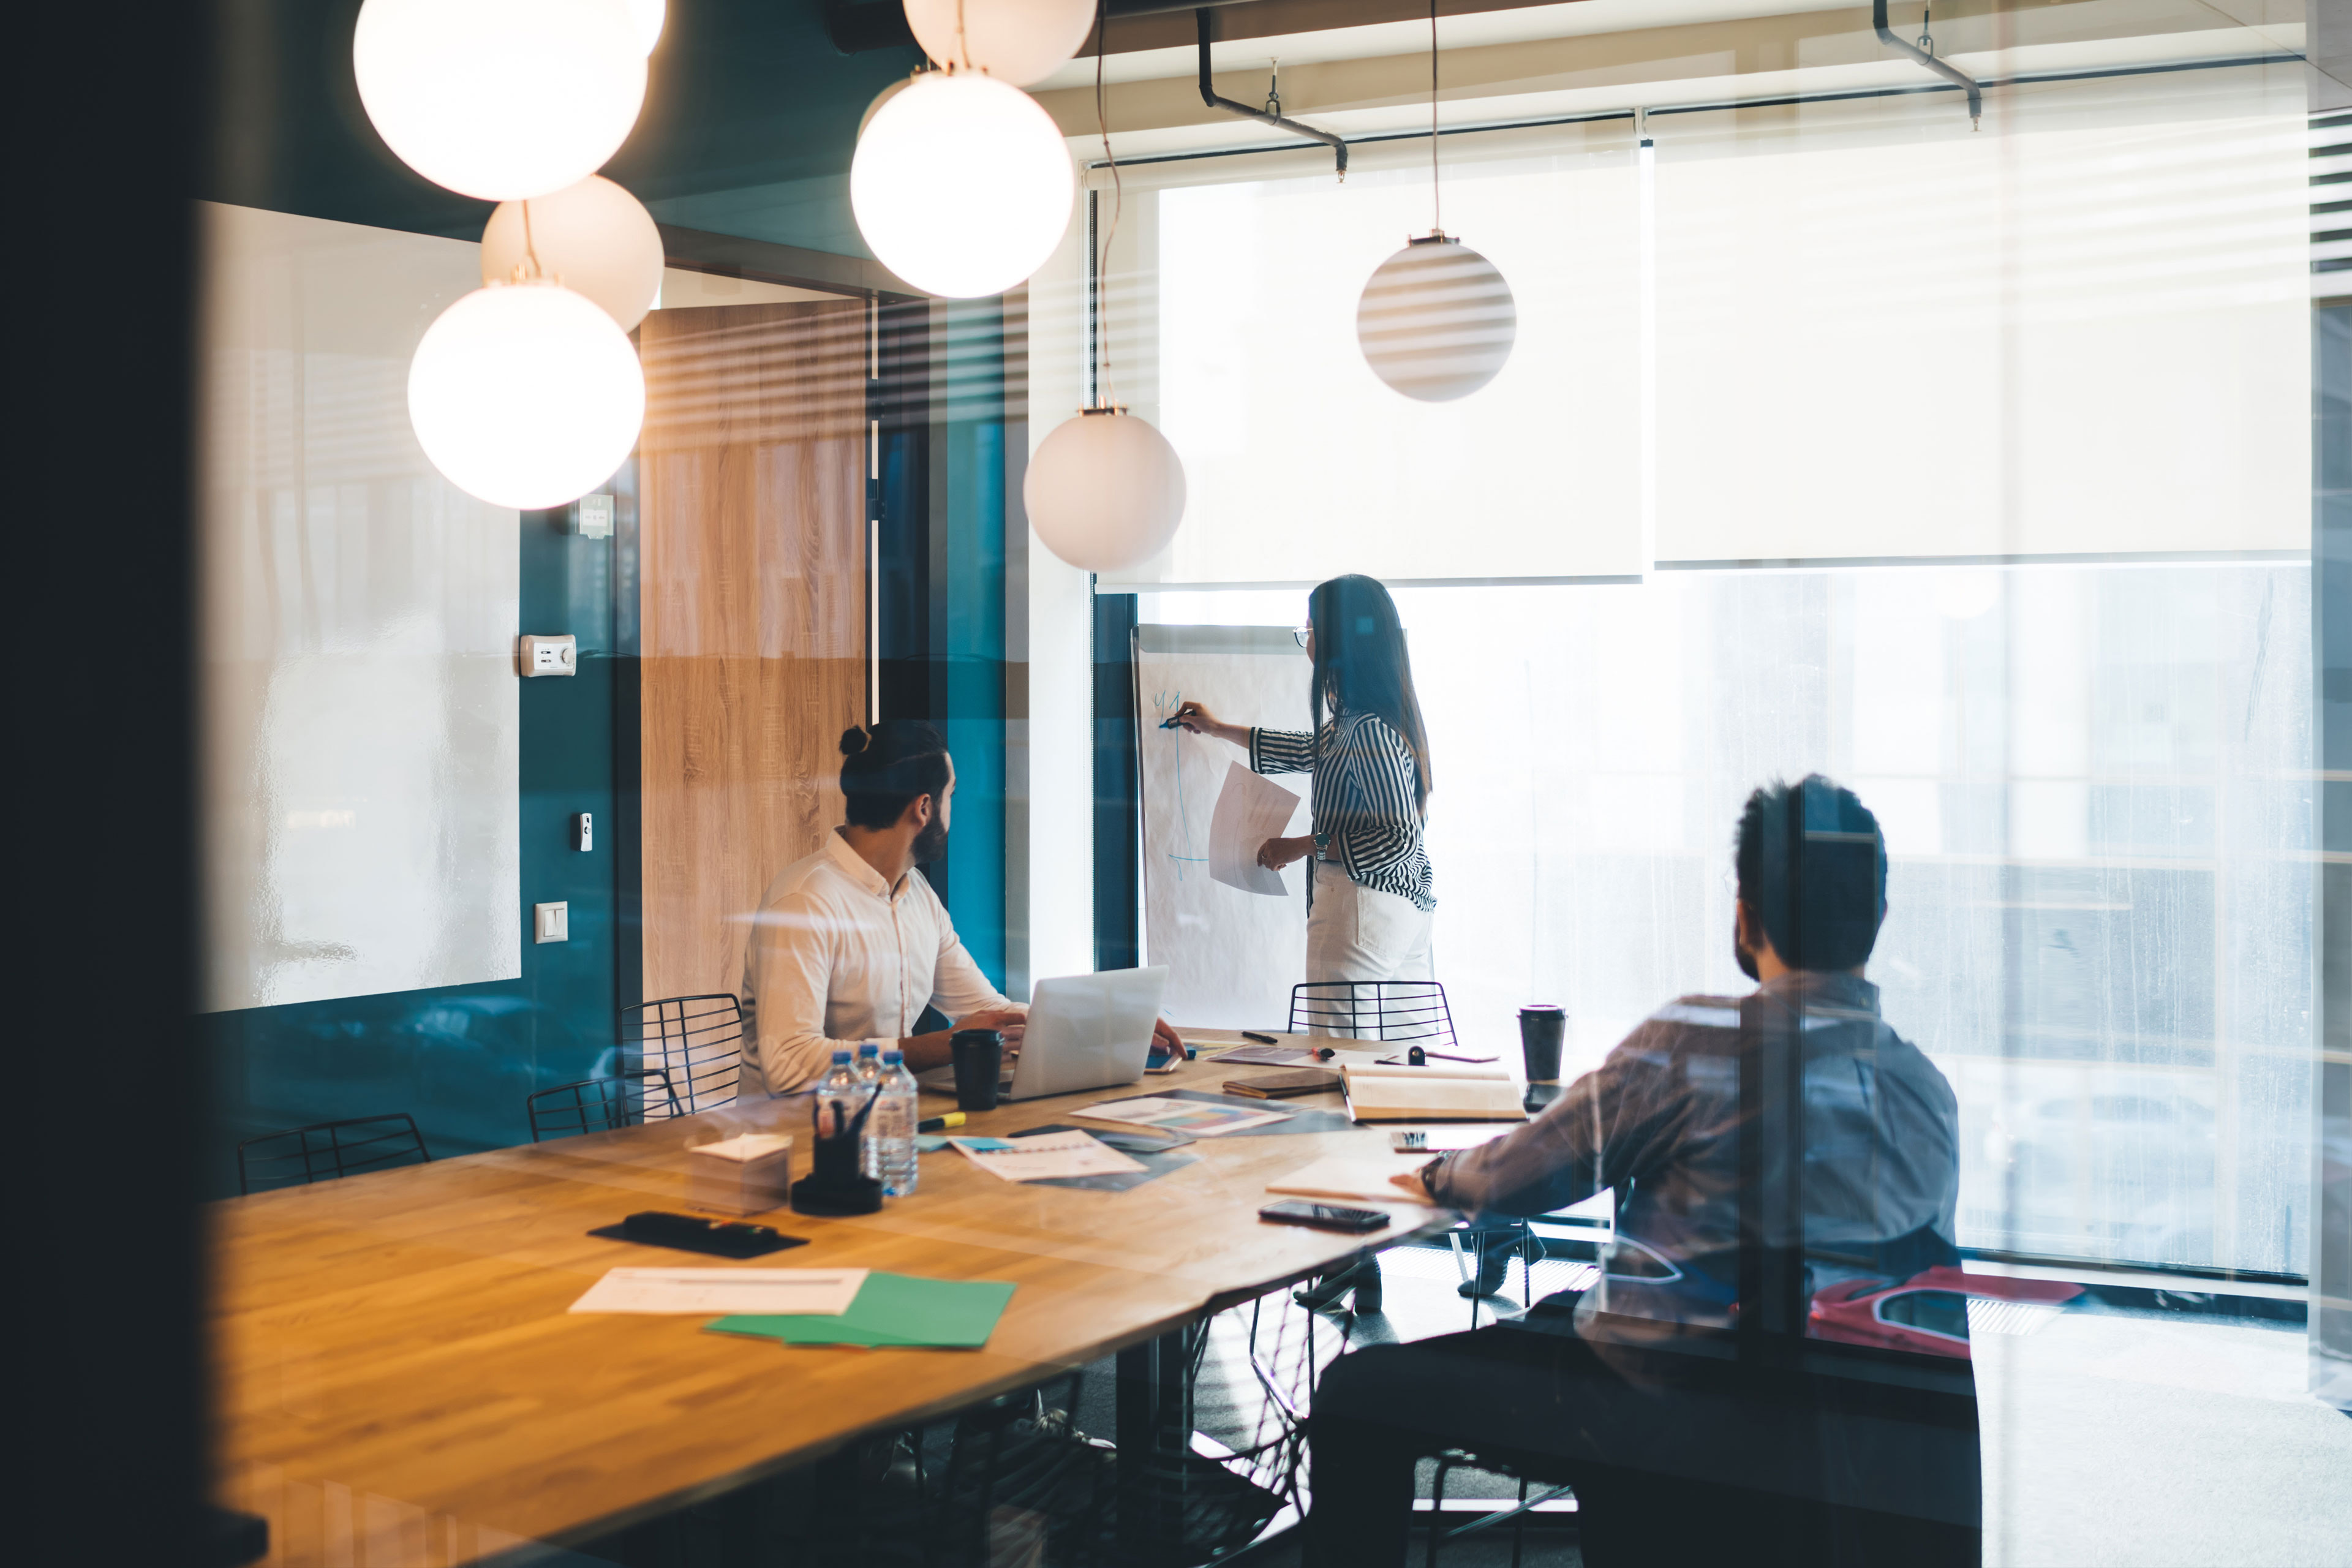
(795, 1291)
(1232, 956)
(892, 1310)
(1250, 810)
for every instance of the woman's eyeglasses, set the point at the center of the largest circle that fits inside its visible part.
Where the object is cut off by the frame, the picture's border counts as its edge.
(1300, 634)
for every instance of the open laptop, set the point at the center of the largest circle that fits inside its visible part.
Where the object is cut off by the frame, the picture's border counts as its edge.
(1085, 1031)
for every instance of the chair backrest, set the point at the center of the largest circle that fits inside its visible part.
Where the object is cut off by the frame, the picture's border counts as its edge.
(696, 1040)
(1411, 1012)
(598, 1104)
(326, 1150)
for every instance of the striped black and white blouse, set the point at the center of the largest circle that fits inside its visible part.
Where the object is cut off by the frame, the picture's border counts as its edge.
(1367, 814)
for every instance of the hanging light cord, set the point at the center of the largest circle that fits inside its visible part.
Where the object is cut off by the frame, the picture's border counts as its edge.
(529, 265)
(1119, 203)
(963, 45)
(1436, 202)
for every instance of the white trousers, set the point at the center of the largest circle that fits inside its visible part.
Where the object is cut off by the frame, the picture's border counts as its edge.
(1361, 933)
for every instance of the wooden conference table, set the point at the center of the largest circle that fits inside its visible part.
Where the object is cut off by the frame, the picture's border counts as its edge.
(398, 1380)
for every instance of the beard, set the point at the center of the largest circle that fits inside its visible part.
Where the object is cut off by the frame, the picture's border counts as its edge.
(931, 842)
(1743, 956)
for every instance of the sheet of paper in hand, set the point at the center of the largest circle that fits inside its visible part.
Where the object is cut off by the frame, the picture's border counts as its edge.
(1250, 810)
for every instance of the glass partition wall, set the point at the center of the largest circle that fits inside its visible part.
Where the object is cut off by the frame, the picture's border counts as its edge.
(1968, 466)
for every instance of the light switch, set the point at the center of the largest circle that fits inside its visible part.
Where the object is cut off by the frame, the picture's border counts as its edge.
(548, 655)
(591, 516)
(584, 832)
(552, 923)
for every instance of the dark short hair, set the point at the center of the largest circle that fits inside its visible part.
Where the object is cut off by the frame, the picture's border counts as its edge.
(1823, 913)
(884, 769)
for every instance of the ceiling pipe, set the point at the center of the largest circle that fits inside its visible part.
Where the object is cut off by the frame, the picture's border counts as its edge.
(1280, 122)
(1952, 74)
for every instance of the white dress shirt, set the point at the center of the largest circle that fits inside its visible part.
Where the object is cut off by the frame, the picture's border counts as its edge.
(838, 956)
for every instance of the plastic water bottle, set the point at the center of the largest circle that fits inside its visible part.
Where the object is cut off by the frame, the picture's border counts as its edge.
(869, 1078)
(839, 1084)
(895, 1115)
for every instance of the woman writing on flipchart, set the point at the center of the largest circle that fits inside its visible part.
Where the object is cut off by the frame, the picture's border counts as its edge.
(1369, 898)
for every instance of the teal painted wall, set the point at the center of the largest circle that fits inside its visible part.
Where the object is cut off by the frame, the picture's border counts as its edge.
(971, 609)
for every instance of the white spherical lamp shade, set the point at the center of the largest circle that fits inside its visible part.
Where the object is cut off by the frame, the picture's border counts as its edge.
(1104, 491)
(962, 185)
(594, 237)
(1436, 321)
(526, 395)
(501, 99)
(1019, 41)
(647, 16)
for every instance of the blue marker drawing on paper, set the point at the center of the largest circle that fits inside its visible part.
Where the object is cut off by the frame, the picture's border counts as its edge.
(1165, 704)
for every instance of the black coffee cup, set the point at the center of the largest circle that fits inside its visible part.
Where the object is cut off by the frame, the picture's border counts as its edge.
(979, 1060)
(1542, 1027)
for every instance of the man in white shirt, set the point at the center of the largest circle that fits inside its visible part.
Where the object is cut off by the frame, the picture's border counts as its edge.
(851, 943)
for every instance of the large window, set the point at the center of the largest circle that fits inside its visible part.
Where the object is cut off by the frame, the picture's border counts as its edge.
(1971, 469)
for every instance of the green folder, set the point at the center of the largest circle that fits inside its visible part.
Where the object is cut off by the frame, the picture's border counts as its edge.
(890, 1310)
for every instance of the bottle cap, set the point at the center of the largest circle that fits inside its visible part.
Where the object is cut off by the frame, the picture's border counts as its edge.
(841, 1058)
(892, 1055)
(869, 1048)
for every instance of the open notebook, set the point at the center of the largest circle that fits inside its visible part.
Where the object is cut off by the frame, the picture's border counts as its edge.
(1433, 1093)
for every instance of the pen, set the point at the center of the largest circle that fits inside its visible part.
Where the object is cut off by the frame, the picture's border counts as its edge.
(1261, 1039)
(940, 1123)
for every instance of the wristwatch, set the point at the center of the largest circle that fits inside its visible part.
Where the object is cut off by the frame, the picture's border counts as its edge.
(1429, 1177)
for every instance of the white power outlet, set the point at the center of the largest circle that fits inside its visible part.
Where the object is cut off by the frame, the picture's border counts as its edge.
(550, 922)
(548, 655)
(591, 516)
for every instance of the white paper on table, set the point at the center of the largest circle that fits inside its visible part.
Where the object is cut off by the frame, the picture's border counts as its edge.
(1045, 1155)
(827, 1290)
(1195, 1118)
(1339, 1176)
(1250, 810)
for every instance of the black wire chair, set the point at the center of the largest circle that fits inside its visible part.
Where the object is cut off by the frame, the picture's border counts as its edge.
(326, 1150)
(697, 1041)
(596, 1104)
(1404, 1012)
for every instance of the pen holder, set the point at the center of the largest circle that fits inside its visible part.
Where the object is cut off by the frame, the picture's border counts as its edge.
(839, 1184)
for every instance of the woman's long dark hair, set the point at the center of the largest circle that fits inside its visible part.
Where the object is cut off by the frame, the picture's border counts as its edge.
(1361, 664)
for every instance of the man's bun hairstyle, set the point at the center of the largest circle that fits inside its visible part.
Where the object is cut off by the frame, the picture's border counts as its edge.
(885, 768)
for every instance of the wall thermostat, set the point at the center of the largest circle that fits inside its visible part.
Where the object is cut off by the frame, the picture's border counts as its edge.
(591, 516)
(549, 656)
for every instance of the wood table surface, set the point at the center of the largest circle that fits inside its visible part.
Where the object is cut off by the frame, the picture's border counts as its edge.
(397, 1379)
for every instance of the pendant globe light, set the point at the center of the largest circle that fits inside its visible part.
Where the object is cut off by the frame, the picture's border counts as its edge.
(1436, 321)
(960, 182)
(647, 16)
(594, 237)
(1019, 41)
(1104, 490)
(526, 395)
(501, 99)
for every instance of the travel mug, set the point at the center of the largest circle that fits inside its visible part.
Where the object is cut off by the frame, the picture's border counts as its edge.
(978, 1059)
(1542, 1026)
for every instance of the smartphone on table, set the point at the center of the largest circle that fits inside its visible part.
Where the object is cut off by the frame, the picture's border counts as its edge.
(1323, 1216)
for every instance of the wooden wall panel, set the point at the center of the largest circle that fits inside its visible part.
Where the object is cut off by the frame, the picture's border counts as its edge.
(752, 530)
